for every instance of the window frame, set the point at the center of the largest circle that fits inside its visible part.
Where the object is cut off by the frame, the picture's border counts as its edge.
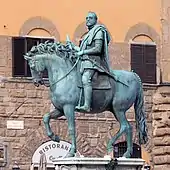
(120, 148)
(25, 74)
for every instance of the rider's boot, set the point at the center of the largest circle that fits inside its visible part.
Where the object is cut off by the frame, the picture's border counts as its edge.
(87, 98)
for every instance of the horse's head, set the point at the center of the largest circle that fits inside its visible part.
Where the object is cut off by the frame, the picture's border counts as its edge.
(40, 57)
(37, 67)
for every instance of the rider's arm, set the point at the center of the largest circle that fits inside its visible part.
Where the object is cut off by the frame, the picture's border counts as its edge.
(97, 49)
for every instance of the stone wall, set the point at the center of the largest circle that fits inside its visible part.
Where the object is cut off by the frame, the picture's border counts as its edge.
(92, 131)
(5, 56)
(161, 131)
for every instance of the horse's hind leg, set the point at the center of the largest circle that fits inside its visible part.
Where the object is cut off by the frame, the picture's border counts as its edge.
(128, 134)
(46, 119)
(124, 128)
(120, 119)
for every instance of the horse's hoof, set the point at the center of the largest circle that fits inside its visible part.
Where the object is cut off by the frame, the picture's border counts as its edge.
(77, 108)
(55, 138)
(82, 109)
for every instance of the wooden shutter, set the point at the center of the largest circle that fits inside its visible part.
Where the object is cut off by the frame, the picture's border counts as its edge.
(150, 63)
(137, 59)
(18, 61)
(30, 42)
(143, 62)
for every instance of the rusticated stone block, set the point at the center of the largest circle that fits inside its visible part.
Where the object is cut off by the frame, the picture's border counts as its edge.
(2, 123)
(158, 124)
(162, 107)
(165, 150)
(2, 132)
(161, 159)
(157, 115)
(164, 90)
(31, 124)
(20, 85)
(161, 132)
(2, 110)
(21, 133)
(11, 85)
(161, 98)
(30, 86)
(21, 111)
(10, 133)
(157, 98)
(161, 141)
(162, 167)
(18, 93)
(83, 127)
(3, 92)
(31, 94)
(15, 145)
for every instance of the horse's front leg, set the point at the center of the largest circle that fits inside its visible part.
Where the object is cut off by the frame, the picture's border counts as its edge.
(46, 119)
(70, 115)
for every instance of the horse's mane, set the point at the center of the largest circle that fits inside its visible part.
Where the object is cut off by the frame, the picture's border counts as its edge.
(49, 48)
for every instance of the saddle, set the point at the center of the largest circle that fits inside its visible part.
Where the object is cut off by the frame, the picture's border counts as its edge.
(99, 81)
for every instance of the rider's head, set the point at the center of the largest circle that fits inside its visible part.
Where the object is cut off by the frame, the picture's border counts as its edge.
(91, 19)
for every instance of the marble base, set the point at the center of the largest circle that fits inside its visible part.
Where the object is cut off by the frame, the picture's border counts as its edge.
(106, 163)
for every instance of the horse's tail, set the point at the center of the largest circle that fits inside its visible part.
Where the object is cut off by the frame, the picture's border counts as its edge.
(140, 115)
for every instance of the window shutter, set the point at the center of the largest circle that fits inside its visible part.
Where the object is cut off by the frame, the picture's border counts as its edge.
(150, 63)
(18, 50)
(43, 40)
(21, 45)
(137, 59)
(30, 42)
(143, 62)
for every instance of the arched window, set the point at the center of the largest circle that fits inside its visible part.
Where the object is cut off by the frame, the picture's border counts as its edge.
(120, 149)
(33, 31)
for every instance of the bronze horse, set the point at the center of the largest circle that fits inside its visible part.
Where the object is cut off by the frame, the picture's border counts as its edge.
(65, 92)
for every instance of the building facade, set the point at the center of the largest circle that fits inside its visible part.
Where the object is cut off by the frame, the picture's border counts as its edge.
(139, 41)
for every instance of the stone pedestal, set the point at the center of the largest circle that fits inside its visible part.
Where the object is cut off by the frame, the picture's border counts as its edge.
(106, 163)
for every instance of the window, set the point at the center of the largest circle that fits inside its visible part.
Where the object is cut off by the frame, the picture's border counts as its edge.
(3, 155)
(21, 45)
(143, 61)
(120, 149)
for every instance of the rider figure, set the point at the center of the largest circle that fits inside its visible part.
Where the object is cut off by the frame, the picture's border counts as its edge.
(94, 54)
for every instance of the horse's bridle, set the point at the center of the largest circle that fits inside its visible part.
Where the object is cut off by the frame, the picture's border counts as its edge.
(75, 64)
(42, 82)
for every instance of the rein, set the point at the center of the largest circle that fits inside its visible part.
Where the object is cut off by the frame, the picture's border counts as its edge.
(64, 75)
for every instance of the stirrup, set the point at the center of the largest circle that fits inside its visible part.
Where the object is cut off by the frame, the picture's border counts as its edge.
(84, 108)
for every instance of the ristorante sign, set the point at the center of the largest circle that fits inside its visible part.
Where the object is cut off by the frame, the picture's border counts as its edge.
(52, 150)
